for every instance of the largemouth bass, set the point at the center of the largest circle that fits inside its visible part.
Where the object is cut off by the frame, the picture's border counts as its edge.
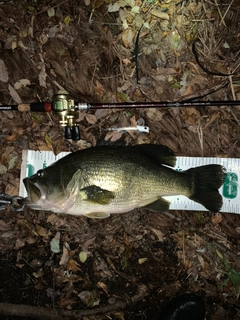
(98, 181)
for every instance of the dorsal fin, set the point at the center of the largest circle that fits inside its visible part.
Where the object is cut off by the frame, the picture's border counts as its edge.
(159, 153)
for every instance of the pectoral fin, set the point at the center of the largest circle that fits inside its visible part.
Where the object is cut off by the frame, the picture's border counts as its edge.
(159, 205)
(96, 195)
(97, 215)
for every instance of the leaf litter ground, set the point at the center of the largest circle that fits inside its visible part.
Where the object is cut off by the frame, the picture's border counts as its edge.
(127, 266)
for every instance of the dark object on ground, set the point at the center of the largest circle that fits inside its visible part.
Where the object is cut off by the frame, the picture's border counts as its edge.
(184, 307)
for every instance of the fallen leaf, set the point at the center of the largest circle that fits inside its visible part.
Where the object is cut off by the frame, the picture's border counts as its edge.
(154, 114)
(158, 233)
(83, 256)
(3, 225)
(12, 137)
(103, 286)
(51, 12)
(21, 83)
(27, 229)
(64, 257)
(38, 274)
(42, 232)
(237, 229)
(85, 296)
(48, 141)
(102, 113)
(217, 218)
(91, 118)
(127, 37)
(13, 162)
(113, 136)
(67, 20)
(42, 74)
(3, 72)
(55, 243)
(5, 158)
(7, 234)
(72, 265)
(114, 7)
(15, 96)
(142, 260)
(191, 116)
(3, 169)
(39, 285)
(160, 14)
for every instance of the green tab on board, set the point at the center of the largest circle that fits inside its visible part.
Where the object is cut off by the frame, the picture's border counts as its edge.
(230, 186)
(30, 170)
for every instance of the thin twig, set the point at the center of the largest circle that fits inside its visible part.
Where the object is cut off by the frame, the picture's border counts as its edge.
(222, 21)
(232, 88)
(220, 13)
(57, 5)
(9, 309)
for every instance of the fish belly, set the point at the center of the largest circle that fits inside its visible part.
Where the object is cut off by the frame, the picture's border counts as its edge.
(141, 187)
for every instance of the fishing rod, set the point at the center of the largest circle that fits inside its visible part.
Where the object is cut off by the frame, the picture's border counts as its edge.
(66, 108)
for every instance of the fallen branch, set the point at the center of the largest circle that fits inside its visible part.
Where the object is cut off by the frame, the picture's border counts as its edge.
(20, 310)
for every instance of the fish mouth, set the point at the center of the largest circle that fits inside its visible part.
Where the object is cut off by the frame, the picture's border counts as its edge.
(35, 192)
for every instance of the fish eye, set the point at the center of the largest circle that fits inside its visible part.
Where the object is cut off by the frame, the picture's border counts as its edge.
(40, 173)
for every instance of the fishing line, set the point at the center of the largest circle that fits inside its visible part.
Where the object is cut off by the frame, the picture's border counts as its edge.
(219, 74)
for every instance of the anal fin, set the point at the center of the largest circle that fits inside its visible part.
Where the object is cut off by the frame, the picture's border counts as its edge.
(160, 205)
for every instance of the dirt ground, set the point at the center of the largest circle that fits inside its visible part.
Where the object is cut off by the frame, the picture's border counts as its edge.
(127, 266)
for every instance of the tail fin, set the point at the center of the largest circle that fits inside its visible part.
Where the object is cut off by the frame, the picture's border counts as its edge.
(206, 182)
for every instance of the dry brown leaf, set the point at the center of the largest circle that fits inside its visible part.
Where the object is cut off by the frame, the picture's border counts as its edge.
(28, 230)
(96, 3)
(91, 118)
(65, 257)
(48, 141)
(160, 14)
(99, 89)
(237, 229)
(12, 162)
(103, 286)
(102, 113)
(3, 225)
(154, 114)
(113, 136)
(42, 74)
(217, 218)
(127, 37)
(15, 96)
(3, 169)
(87, 243)
(57, 145)
(13, 137)
(213, 117)
(21, 83)
(191, 116)
(72, 265)
(7, 234)
(3, 71)
(12, 189)
(5, 159)
(41, 231)
(133, 121)
(158, 233)
(20, 243)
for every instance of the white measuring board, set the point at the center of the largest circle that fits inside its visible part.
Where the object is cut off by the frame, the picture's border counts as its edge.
(32, 161)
